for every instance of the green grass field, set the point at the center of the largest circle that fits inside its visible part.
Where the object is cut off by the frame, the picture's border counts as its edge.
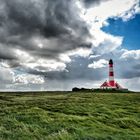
(69, 116)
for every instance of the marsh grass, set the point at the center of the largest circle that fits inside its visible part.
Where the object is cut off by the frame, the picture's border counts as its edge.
(69, 116)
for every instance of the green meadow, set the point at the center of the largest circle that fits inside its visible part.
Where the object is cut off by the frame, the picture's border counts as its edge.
(69, 116)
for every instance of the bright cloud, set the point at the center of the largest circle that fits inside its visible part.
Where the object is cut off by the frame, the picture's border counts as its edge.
(98, 64)
(131, 54)
(44, 65)
(6, 75)
(112, 8)
(28, 79)
(82, 52)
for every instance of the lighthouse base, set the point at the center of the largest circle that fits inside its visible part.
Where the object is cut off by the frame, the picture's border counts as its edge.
(108, 85)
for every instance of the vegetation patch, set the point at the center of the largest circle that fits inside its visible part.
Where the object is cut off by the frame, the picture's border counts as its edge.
(69, 116)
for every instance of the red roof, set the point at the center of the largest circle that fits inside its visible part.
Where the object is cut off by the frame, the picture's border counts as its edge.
(107, 85)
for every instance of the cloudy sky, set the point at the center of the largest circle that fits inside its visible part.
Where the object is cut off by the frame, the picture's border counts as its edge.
(60, 44)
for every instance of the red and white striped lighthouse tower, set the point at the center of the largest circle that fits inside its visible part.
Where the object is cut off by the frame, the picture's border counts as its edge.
(111, 74)
(111, 83)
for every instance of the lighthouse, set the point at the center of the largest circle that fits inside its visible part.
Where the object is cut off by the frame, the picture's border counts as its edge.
(111, 83)
(111, 74)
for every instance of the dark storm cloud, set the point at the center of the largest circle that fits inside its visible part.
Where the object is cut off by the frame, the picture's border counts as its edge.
(131, 74)
(57, 21)
(90, 3)
(129, 68)
(4, 53)
(137, 66)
